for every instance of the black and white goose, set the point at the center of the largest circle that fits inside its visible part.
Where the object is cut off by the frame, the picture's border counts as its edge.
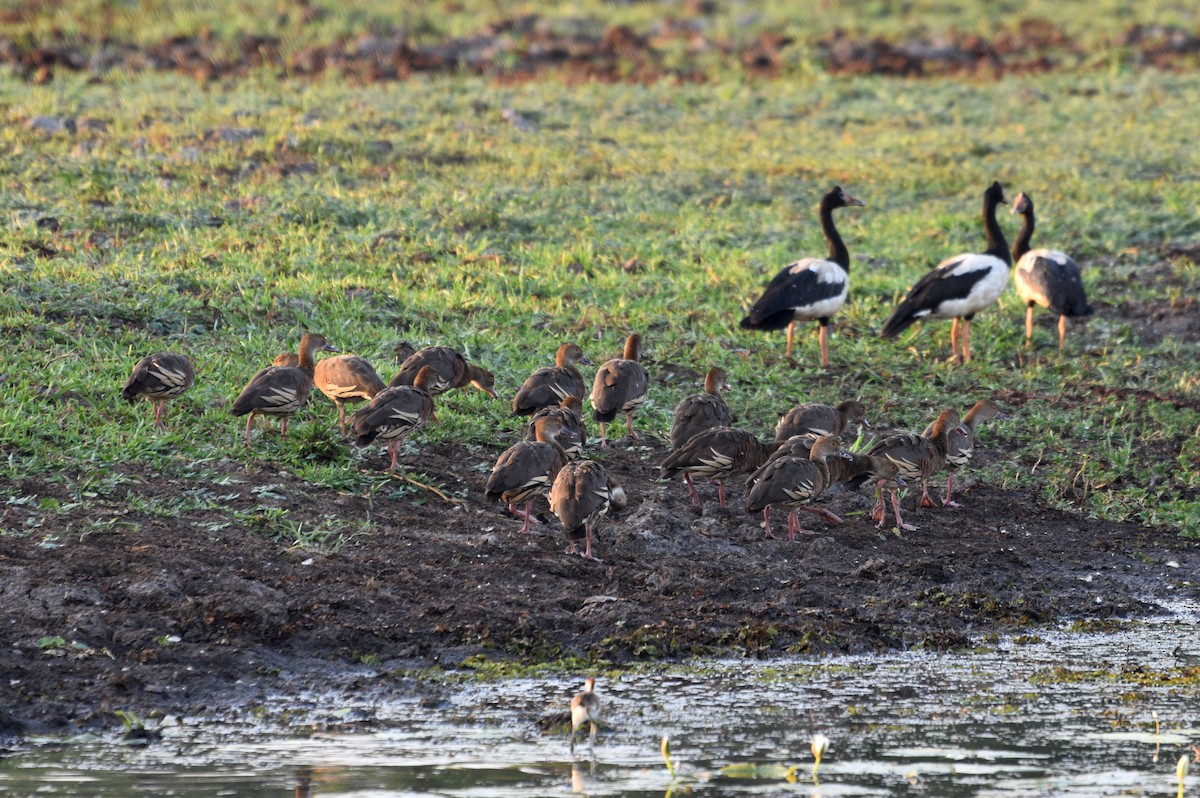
(809, 289)
(1045, 277)
(961, 286)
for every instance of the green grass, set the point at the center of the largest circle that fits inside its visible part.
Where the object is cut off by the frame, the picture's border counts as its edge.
(413, 211)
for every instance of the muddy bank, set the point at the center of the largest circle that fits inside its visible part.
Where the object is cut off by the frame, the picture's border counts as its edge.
(123, 609)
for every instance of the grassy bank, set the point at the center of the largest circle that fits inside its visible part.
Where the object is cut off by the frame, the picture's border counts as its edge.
(225, 220)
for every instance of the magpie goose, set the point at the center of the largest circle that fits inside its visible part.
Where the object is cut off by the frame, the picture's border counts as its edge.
(961, 286)
(811, 288)
(1045, 277)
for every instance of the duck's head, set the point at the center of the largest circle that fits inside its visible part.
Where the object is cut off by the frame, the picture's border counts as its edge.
(716, 380)
(315, 342)
(484, 380)
(569, 354)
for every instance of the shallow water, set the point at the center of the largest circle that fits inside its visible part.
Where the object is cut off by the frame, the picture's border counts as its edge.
(983, 724)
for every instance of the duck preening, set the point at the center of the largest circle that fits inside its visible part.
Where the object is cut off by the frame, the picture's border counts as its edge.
(452, 370)
(716, 454)
(549, 385)
(585, 708)
(527, 469)
(793, 482)
(960, 444)
(917, 457)
(581, 493)
(346, 379)
(619, 387)
(281, 390)
(814, 420)
(1045, 277)
(961, 286)
(159, 378)
(569, 412)
(394, 413)
(809, 289)
(701, 411)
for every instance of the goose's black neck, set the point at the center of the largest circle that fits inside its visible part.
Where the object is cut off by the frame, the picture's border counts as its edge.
(997, 246)
(1021, 245)
(837, 249)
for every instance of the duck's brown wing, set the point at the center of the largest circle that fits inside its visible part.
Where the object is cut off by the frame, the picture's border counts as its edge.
(788, 480)
(347, 377)
(276, 390)
(697, 413)
(546, 387)
(811, 419)
(914, 455)
(715, 453)
(619, 387)
(581, 491)
(523, 471)
(164, 375)
(393, 413)
(451, 368)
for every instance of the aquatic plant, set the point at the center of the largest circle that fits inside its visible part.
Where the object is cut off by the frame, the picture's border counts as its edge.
(819, 745)
(666, 755)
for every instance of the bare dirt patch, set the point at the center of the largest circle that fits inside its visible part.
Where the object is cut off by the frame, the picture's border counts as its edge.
(1175, 315)
(195, 614)
(527, 47)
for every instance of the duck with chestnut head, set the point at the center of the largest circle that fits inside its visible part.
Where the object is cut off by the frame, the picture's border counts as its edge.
(281, 390)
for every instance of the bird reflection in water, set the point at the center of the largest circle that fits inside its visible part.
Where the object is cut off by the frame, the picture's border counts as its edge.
(579, 784)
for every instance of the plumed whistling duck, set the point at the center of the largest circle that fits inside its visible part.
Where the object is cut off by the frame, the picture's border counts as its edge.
(793, 482)
(811, 288)
(573, 436)
(581, 493)
(394, 413)
(527, 469)
(1045, 277)
(619, 387)
(701, 411)
(452, 369)
(281, 390)
(961, 286)
(549, 385)
(882, 472)
(814, 420)
(960, 446)
(851, 465)
(585, 708)
(345, 379)
(918, 457)
(159, 378)
(716, 454)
